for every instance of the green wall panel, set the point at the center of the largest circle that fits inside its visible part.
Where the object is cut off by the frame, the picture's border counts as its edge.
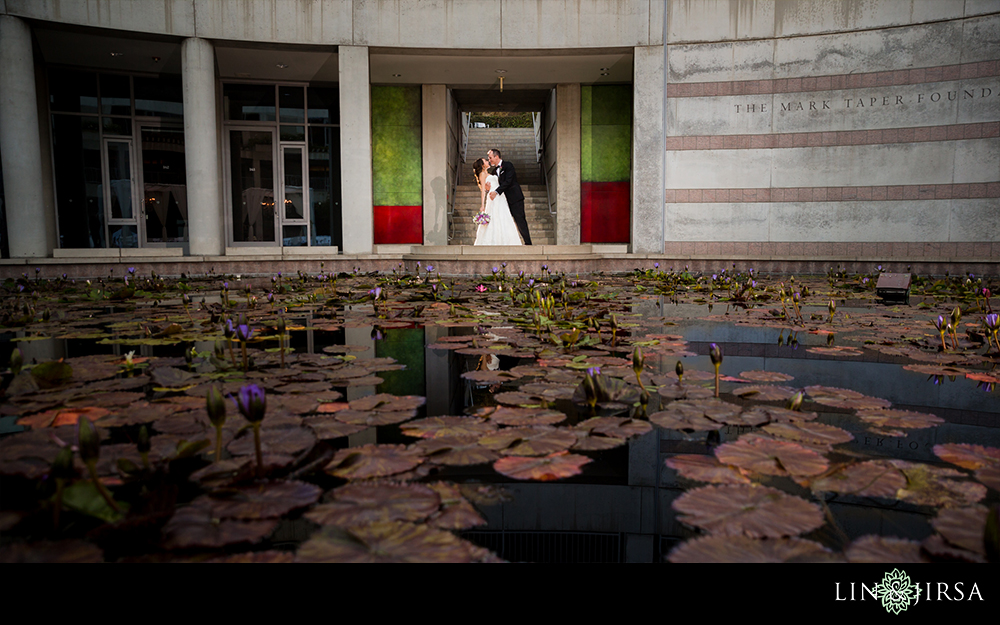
(406, 345)
(606, 133)
(397, 177)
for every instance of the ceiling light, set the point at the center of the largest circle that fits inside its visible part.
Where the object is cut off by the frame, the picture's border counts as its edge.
(243, 74)
(605, 74)
(282, 65)
(604, 69)
(117, 53)
(397, 75)
(501, 71)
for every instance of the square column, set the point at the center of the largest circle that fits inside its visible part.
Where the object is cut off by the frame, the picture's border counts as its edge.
(32, 233)
(567, 166)
(356, 150)
(434, 154)
(201, 149)
(648, 151)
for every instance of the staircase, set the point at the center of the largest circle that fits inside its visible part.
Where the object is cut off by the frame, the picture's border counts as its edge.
(517, 145)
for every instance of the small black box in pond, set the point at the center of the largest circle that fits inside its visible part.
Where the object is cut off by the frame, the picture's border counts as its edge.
(893, 287)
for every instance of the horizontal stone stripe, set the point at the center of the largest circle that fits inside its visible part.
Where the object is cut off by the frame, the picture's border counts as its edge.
(836, 194)
(840, 249)
(917, 134)
(982, 69)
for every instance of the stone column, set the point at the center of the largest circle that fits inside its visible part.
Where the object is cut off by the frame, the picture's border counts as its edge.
(434, 154)
(568, 164)
(31, 234)
(201, 149)
(648, 151)
(356, 150)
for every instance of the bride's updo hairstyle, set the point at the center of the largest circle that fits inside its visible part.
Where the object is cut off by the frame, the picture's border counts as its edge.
(478, 167)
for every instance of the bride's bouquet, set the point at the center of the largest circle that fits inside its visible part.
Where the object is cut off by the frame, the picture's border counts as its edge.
(481, 219)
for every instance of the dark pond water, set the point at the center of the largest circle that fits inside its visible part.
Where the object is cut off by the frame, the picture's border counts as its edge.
(620, 507)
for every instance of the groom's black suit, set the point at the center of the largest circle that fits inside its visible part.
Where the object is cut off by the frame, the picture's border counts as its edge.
(509, 188)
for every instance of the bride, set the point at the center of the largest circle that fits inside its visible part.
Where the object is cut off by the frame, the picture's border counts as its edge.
(501, 229)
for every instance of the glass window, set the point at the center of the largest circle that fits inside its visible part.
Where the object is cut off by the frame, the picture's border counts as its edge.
(72, 91)
(117, 126)
(249, 102)
(252, 185)
(293, 133)
(159, 97)
(76, 143)
(291, 104)
(324, 105)
(116, 95)
(120, 179)
(324, 186)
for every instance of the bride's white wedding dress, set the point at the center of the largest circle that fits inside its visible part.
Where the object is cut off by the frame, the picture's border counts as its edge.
(501, 230)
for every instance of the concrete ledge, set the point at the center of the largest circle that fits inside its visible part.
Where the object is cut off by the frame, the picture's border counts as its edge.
(254, 250)
(610, 248)
(398, 248)
(87, 253)
(311, 252)
(147, 252)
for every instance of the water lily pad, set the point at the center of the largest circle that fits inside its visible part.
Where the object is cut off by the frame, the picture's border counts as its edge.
(673, 391)
(765, 392)
(963, 527)
(884, 550)
(941, 550)
(765, 376)
(554, 466)
(695, 415)
(456, 512)
(359, 504)
(170, 377)
(262, 500)
(275, 440)
(990, 476)
(52, 374)
(776, 414)
(455, 450)
(751, 510)
(373, 418)
(385, 402)
(617, 427)
(810, 433)
(369, 461)
(431, 427)
(771, 457)
(844, 398)
(936, 370)
(927, 485)
(706, 469)
(874, 478)
(906, 419)
(194, 526)
(328, 428)
(712, 549)
(393, 541)
(968, 456)
(62, 416)
(528, 441)
(588, 440)
(45, 552)
(526, 416)
(835, 351)
(490, 377)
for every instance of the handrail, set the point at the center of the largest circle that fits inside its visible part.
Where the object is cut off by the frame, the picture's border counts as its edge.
(456, 179)
(536, 122)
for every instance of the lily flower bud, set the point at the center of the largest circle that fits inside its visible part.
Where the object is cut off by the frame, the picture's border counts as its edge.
(16, 361)
(252, 403)
(795, 402)
(142, 443)
(89, 441)
(62, 466)
(715, 354)
(216, 405)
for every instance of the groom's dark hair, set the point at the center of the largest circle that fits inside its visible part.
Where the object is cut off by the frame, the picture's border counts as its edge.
(497, 152)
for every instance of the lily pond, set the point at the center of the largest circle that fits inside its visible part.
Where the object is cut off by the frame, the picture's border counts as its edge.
(659, 415)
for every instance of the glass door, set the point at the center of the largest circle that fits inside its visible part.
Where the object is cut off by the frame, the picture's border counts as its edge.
(119, 190)
(253, 219)
(164, 186)
(294, 195)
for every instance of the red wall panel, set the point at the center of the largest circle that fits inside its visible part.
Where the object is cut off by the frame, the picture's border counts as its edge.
(399, 224)
(604, 212)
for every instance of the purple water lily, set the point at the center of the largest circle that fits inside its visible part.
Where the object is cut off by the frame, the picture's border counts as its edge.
(252, 403)
(244, 333)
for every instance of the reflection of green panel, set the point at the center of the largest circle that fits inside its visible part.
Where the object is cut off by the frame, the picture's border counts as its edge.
(396, 106)
(407, 347)
(586, 105)
(612, 105)
(611, 159)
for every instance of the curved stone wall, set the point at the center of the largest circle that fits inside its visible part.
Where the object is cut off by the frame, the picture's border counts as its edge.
(840, 129)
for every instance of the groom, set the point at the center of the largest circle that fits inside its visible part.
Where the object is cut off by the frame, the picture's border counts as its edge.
(508, 186)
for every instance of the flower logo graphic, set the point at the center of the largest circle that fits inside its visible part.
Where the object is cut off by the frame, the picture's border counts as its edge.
(896, 591)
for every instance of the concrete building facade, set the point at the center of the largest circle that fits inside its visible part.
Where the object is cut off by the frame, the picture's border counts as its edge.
(820, 129)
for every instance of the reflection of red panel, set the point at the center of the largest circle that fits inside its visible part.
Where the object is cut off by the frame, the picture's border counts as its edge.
(604, 212)
(399, 224)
